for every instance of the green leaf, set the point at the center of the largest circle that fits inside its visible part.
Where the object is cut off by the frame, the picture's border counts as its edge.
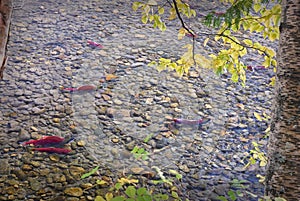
(152, 63)
(239, 193)
(118, 198)
(99, 198)
(157, 181)
(148, 137)
(118, 186)
(248, 42)
(235, 77)
(109, 196)
(144, 19)
(90, 173)
(174, 195)
(161, 11)
(231, 194)
(136, 5)
(101, 182)
(142, 191)
(279, 199)
(257, 7)
(130, 191)
(159, 197)
(222, 198)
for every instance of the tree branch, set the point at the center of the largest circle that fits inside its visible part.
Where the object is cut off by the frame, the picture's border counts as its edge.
(183, 25)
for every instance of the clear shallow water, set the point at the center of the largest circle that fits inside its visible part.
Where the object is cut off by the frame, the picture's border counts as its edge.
(48, 50)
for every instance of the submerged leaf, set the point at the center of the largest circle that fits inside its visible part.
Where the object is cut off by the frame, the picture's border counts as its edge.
(90, 173)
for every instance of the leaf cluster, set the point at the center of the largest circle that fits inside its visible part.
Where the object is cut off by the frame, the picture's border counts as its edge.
(241, 16)
(236, 19)
(140, 153)
(257, 155)
(152, 12)
(182, 65)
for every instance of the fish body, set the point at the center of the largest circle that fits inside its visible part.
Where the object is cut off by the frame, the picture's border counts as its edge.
(252, 68)
(52, 150)
(45, 141)
(94, 44)
(86, 88)
(191, 122)
(82, 88)
(70, 89)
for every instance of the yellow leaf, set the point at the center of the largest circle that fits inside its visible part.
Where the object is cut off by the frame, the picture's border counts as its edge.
(161, 11)
(136, 5)
(109, 196)
(268, 129)
(151, 18)
(110, 77)
(263, 163)
(257, 7)
(127, 181)
(248, 42)
(181, 33)
(272, 83)
(273, 36)
(205, 42)
(101, 182)
(267, 62)
(173, 14)
(257, 116)
(273, 62)
(144, 19)
(99, 198)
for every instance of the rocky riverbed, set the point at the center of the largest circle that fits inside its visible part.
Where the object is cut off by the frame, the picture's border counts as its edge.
(133, 102)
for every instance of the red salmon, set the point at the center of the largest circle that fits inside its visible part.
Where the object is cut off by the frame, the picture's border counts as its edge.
(82, 88)
(94, 44)
(53, 150)
(45, 141)
(86, 88)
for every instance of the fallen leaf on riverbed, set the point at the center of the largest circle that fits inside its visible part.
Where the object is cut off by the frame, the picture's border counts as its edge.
(109, 77)
(240, 106)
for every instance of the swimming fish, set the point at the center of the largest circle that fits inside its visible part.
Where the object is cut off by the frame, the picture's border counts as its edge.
(53, 150)
(251, 68)
(45, 141)
(82, 88)
(94, 44)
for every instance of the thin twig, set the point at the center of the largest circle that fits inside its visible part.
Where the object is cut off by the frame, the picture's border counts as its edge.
(183, 26)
